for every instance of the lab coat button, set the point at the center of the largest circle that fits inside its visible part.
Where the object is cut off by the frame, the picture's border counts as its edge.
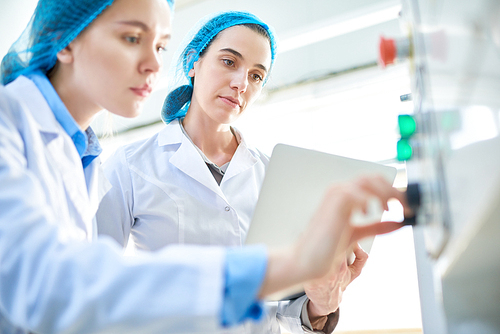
(227, 208)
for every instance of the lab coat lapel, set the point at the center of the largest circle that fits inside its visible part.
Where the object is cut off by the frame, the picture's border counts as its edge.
(73, 178)
(242, 160)
(187, 159)
(60, 151)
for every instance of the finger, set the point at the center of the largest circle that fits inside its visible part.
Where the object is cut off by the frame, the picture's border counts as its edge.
(378, 186)
(359, 251)
(349, 193)
(360, 232)
(357, 198)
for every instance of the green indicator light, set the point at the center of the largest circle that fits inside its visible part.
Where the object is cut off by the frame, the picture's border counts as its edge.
(407, 125)
(404, 150)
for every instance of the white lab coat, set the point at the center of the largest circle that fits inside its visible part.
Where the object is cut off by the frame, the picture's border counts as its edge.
(52, 279)
(163, 193)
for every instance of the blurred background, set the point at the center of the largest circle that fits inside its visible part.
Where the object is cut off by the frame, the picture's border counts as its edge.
(326, 92)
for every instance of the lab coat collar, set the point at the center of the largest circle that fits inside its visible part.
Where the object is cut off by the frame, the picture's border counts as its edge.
(171, 134)
(44, 96)
(46, 122)
(61, 113)
(242, 160)
(197, 169)
(185, 158)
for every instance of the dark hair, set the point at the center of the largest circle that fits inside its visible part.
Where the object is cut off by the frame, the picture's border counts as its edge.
(255, 27)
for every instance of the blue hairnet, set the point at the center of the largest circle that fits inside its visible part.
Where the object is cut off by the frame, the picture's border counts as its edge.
(196, 41)
(54, 24)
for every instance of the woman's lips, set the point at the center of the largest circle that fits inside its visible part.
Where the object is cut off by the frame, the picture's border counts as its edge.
(143, 91)
(231, 101)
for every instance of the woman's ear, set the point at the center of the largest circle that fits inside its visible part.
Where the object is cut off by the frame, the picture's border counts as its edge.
(65, 56)
(193, 70)
(191, 56)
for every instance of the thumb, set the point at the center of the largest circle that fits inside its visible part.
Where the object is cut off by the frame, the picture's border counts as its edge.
(359, 262)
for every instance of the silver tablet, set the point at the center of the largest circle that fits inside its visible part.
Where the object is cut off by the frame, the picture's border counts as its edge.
(295, 183)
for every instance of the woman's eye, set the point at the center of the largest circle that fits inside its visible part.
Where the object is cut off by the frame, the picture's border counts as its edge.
(161, 49)
(228, 62)
(132, 39)
(256, 77)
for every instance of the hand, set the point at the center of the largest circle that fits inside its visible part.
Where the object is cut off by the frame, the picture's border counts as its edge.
(329, 235)
(325, 294)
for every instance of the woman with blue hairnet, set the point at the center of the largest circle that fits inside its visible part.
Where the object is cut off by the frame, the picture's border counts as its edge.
(197, 180)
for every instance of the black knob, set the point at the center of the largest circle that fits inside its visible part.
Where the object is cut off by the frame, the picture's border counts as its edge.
(413, 198)
(413, 195)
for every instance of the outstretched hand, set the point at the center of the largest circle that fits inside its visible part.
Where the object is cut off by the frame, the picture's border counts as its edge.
(323, 245)
(330, 233)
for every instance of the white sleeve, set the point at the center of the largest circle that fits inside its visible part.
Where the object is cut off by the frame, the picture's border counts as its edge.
(48, 286)
(115, 214)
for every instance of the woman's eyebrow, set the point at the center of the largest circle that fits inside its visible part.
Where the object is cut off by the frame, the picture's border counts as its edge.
(141, 25)
(239, 55)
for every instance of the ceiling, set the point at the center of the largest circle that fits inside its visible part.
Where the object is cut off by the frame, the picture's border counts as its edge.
(351, 32)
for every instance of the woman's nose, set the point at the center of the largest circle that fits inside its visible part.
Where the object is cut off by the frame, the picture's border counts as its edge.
(152, 61)
(240, 81)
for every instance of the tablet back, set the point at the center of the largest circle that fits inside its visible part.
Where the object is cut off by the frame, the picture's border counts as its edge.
(295, 183)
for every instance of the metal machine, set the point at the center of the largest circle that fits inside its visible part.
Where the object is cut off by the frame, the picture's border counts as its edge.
(451, 145)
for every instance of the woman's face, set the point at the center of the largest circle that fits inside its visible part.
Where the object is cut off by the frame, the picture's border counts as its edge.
(117, 59)
(229, 76)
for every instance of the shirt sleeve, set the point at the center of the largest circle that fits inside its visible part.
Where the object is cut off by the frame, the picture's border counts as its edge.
(244, 273)
(293, 316)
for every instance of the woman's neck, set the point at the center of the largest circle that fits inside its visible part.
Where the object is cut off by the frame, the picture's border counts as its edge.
(77, 104)
(215, 140)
